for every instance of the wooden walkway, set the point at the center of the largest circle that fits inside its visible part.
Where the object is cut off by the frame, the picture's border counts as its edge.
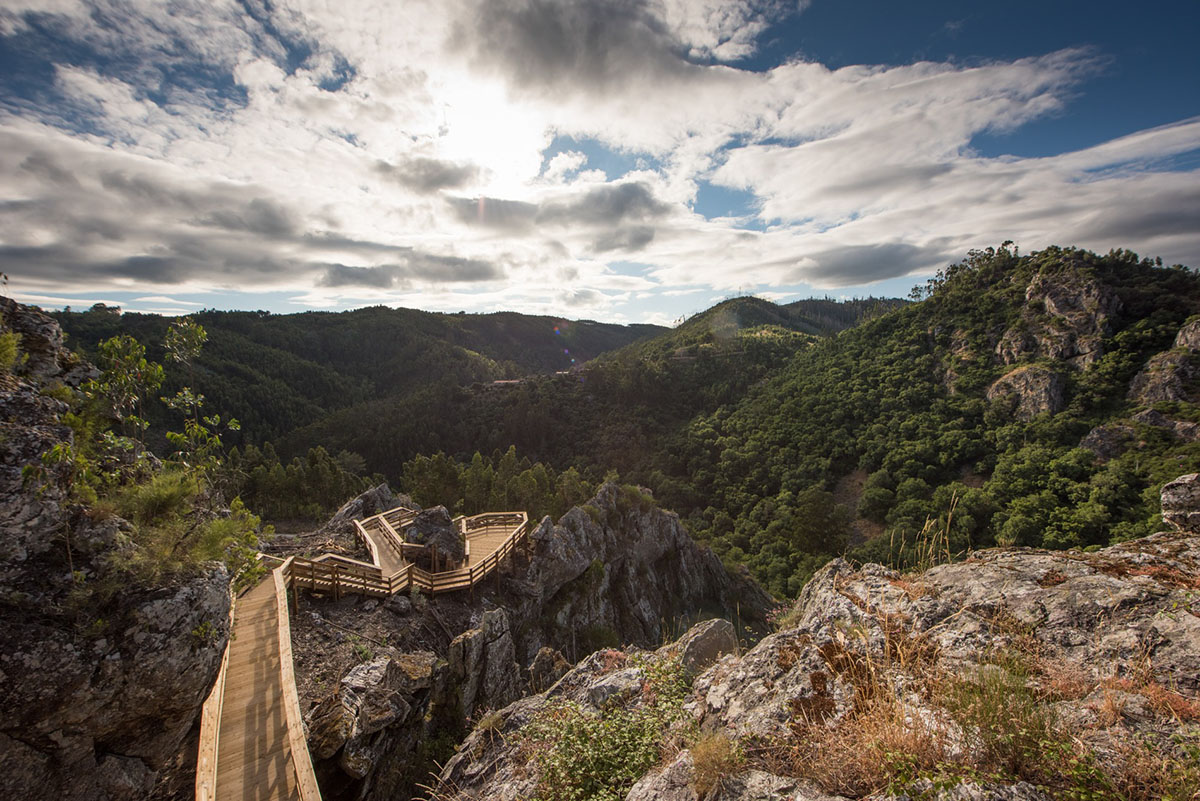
(252, 740)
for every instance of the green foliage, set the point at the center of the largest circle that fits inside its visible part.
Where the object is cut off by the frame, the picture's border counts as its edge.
(500, 482)
(586, 756)
(308, 488)
(10, 351)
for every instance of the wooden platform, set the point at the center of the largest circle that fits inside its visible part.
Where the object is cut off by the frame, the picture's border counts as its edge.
(253, 757)
(252, 743)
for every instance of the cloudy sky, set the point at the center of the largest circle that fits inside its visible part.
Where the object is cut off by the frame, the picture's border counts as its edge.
(624, 160)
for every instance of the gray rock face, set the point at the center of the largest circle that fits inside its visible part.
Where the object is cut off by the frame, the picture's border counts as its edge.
(75, 703)
(379, 708)
(1036, 389)
(99, 689)
(482, 665)
(1188, 337)
(1108, 441)
(1181, 503)
(1164, 378)
(434, 529)
(1066, 317)
(1183, 429)
(703, 644)
(613, 571)
(372, 502)
(547, 667)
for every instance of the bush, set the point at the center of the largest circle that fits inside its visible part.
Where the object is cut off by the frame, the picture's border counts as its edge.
(714, 756)
(588, 756)
(10, 342)
(167, 494)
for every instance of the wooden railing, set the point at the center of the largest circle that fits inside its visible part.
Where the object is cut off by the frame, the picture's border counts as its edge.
(210, 731)
(306, 780)
(337, 575)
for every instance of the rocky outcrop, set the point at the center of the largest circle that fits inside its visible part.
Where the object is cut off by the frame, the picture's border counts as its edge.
(377, 714)
(615, 571)
(483, 669)
(372, 502)
(1181, 503)
(1066, 316)
(433, 528)
(1035, 389)
(1105, 644)
(1165, 378)
(1109, 441)
(100, 681)
(1170, 375)
(1188, 337)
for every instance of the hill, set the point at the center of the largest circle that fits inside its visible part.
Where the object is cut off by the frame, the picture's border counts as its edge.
(618, 411)
(279, 372)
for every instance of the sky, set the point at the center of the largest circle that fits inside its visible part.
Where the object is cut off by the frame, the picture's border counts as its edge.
(625, 160)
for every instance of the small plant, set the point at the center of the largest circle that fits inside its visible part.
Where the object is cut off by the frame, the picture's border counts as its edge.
(204, 634)
(361, 650)
(583, 755)
(714, 757)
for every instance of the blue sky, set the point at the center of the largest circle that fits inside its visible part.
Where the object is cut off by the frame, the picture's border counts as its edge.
(627, 160)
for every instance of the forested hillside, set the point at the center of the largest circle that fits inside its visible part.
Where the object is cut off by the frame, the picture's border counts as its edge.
(1037, 400)
(278, 372)
(1024, 400)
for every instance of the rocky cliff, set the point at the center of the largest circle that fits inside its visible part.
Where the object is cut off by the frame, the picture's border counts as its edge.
(100, 687)
(1015, 674)
(381, 705)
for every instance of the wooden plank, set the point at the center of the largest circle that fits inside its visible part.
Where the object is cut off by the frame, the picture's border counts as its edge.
(306, 780)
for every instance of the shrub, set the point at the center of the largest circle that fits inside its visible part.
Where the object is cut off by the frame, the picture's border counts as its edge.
(167, 494)
(714, 756)
(10, 342)
(588, 756)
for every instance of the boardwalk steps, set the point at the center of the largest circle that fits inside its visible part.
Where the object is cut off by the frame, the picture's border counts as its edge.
(252, 741)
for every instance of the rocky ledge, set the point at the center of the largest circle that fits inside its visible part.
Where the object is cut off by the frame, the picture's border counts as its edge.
(1016, 674)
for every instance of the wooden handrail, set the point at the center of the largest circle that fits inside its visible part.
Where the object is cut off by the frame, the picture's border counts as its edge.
(306, 780)
(210, 728)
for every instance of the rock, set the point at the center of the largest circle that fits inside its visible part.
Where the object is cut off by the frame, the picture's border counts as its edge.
(1165, 378)
(1181, 503)
(616, 686)
(434, 529)
(372, 502)
(1183, 429)
(1188, 337)
(378, 708)
(1066, 316)
(966, 791)
(482, 664)
(400, 604)
(612, 571)
(1108, 441)
(546, 668)
(1037, 389)
(672, 783)
(703, 644)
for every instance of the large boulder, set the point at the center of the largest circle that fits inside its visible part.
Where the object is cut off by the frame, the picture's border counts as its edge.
(434, 528)
(615, 571)
(1035, 389)
(374, 501)
(1181, 503)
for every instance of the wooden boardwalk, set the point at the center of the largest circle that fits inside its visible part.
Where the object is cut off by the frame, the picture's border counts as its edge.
(252, 740)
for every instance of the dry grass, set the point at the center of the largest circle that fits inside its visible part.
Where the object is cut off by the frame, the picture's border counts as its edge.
(714, 757)
(1065, 681)
(1157, 773)
(1166, 703)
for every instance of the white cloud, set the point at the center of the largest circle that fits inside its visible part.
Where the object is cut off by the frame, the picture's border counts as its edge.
(357, 174)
